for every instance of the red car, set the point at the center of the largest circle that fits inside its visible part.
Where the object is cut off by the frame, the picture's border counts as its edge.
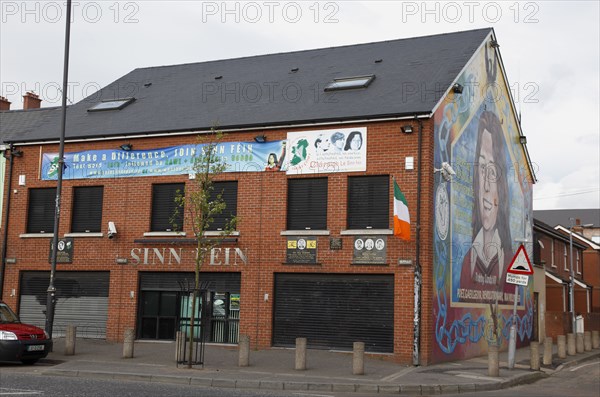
(21, 342)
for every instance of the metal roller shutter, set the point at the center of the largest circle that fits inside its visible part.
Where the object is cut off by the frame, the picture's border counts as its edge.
(229, 192)
(82, 300)
(333, 311)
(164, 206)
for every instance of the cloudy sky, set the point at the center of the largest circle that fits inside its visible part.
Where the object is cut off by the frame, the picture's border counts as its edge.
(550, 51)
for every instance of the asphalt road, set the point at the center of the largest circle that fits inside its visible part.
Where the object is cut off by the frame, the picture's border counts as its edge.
(24, 385)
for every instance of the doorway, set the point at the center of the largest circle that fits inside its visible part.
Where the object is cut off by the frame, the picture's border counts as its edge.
(163, 313)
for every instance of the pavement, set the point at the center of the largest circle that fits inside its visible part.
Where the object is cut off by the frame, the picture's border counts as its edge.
(273, 369)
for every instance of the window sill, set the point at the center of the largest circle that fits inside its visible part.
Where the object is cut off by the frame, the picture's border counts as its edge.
(91, 234)
(36, 235)
(305, 232)
(218, 233)
(164, 234)
(368, 232)
(369, 264)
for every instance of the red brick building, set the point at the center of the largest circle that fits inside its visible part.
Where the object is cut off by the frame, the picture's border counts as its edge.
(313, 253)
(553, 253)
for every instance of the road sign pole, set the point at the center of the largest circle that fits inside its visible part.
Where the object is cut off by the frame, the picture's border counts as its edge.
(518, 273)
(512, 341)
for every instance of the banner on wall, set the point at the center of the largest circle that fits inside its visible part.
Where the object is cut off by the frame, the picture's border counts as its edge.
(175, 160)
(326, 151)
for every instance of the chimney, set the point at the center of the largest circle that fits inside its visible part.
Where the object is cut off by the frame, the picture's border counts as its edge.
(577, 228)
(31, 101)
(4, 103)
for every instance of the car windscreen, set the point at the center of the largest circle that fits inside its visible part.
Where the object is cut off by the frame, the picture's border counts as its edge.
(7, 315)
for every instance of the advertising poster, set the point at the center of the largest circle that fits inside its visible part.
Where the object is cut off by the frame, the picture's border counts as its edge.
(175, 160)
(326, 151)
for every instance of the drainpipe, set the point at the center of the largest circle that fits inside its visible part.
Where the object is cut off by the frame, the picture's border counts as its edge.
(417, 274)
(13, 153)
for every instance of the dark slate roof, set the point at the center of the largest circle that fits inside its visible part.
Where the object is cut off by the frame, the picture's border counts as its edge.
(19, 125)
(538, 225)
(412, 77)
(561, 217)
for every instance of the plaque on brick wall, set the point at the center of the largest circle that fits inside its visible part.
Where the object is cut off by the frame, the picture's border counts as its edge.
(370, 250)
(301, 249)
(335, 243)
(64, 253)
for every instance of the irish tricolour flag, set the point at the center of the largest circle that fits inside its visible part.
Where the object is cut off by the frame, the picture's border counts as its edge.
(401, 215)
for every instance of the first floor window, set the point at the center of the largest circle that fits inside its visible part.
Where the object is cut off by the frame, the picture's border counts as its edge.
(307, 204)
(228, 192)
(166, 215)
(368, 202)
(87, 209)
(40, 213)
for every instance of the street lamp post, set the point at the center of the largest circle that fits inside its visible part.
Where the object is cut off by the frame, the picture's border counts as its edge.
(572, 284)
(51, 292)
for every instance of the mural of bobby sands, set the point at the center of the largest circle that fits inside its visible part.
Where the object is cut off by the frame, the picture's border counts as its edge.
(485, 263)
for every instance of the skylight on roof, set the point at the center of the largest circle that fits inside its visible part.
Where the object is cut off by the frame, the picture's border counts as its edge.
(113, 104)
(348, 83)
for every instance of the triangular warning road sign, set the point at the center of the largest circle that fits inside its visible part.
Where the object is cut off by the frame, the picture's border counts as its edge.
(520, 263)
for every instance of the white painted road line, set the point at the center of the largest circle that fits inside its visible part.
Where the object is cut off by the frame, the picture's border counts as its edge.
(314, 395)
(396, 375)
(581, 366)
(18, 392)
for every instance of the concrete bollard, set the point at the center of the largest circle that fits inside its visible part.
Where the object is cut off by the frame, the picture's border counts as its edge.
(561, 343)
(128, 342)
(579, 342)
(358, 358)
(595, 339)
(547, 360)
(300, 354)
(244, 351)
(571, 344)
(534, 355)
(587, 341)
(493, 361)
(70, 339)
(179, 347)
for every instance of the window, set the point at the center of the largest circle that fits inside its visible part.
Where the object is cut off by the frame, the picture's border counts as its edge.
(87, 209)
(114, 104)
(538, 246)
(228, 191)
(552, 254)
(40, 214)
(577, 262)
(565, 256)
(368, 202)
(307, 204)
(348, 83)
(164, 207)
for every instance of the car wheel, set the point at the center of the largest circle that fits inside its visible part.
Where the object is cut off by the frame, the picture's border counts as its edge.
(30, 361)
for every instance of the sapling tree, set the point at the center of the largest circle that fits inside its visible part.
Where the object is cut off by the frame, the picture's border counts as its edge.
(200, 204)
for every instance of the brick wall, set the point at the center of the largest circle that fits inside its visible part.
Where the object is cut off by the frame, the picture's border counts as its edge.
(262, 216)
(557, 323)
